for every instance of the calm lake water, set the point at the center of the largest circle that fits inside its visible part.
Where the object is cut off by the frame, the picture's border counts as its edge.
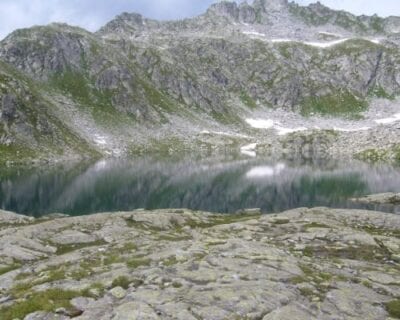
(224, 184)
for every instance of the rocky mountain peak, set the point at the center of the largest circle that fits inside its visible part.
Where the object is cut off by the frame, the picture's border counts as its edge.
(271, 5)
(225, 8)
(243, 12)
(129, 23)
(131, 18)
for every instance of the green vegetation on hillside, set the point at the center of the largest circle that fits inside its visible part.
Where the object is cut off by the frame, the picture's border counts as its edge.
(247, 100)
(31, 130)
(341, 103)
(318, 15)
(393, 307)
(49, 300)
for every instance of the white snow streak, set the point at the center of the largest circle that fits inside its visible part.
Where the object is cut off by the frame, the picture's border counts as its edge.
(284, 131)
(249, 150)
(98, 139)
(393, 119)
(351, 130)
(260, 123)
(326, 44)
(271, 124)
(223, 133)
(309, 43)
(254, 33)
(281, 131)
(313, 44)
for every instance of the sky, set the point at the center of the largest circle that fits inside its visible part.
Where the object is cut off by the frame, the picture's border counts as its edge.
(92, 14)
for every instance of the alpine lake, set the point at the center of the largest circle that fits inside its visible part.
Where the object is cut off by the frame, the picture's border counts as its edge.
(224, 184)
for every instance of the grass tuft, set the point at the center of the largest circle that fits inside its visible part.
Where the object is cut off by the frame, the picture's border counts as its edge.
(393, 308)
(49, 300)
(342, 103)
(122, 282)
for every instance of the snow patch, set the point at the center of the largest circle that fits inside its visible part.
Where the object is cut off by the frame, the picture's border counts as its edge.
(313, 44)
(393, 119)
(376, 41)
(265, 171)
(322, 45)
(271, 124)
(249, 147)
(98, 139)
(282, 40)
(223, 133)
(249, 150)
(254, 33)
(284, 131)
(326, 44)
(230, 134)
(351, 130)
(260, 123)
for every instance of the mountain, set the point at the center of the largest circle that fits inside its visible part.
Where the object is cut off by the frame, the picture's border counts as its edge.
(140, 85)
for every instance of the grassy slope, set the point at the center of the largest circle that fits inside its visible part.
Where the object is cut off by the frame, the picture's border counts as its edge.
(56, 139)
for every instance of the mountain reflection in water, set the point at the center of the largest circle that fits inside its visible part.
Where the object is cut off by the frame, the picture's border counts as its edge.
(224, 184)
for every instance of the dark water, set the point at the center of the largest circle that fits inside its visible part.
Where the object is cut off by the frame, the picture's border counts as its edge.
(224, 184)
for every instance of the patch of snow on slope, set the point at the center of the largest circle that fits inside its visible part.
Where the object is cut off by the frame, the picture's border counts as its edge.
(223, 133)
(314, 43)
(249, 150)
(282, 40)
(230, 134)
(271, 124)
(284, 131)
(351, 130)
(254, 33)
(326, 44)
(376, 41)
(393, 119)
(101, 140)
(260, 123)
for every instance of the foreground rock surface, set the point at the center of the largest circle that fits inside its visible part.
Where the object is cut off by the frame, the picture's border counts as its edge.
(177, 264)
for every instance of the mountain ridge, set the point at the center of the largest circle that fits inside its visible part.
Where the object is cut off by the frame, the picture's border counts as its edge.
(140, 85)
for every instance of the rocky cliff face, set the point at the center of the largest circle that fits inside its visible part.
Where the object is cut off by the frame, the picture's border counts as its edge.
(138, 78)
